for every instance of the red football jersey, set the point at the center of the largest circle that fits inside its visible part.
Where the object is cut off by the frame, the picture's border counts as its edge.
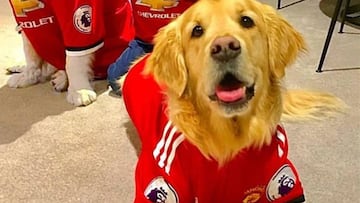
(150, 15)
(75, 28)
(171, 169)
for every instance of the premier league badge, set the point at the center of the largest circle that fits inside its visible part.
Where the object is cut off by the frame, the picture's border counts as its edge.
(159, 191)
(82, 19)
(281, 183)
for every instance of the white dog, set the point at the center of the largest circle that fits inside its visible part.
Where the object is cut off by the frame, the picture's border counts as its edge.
(70, 43)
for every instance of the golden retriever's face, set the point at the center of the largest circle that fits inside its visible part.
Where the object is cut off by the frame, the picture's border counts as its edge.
(224, 54)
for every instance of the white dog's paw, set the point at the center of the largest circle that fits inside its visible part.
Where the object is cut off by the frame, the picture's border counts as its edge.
(59, 81)
(15, 69)
(81, 97)
(25, 78)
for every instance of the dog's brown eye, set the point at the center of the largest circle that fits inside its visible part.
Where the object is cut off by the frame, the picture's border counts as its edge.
(197, 31)
(247, 22)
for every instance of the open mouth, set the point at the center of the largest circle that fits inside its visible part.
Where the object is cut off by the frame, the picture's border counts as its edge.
(232, 91)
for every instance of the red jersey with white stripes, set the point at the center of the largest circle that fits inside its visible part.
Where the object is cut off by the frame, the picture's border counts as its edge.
(59, 28)
(171, 169)
(151, 15)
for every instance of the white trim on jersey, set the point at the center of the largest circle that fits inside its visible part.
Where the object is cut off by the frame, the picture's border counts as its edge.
(168, 141)
(282, 138)
(280, 151)
(176, 143)
(167, 144)
(160, 144)
(84, 52)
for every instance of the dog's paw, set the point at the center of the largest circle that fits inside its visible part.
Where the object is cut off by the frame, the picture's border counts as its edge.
(59, 81)
(81, 97)
(15, 69)
(24, 79)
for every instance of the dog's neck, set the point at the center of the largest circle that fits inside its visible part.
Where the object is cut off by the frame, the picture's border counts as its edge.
(222, 138)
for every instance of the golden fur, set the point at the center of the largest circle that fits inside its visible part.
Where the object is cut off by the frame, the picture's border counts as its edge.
(183, 63)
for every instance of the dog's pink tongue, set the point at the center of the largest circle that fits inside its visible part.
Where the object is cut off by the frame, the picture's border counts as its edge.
(230, 95)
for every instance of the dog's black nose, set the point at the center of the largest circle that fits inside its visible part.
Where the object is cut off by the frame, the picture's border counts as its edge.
(225, 48)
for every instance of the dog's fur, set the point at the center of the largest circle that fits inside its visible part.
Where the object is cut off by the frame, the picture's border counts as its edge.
(183, 60)
(80, 91)
(207, 103)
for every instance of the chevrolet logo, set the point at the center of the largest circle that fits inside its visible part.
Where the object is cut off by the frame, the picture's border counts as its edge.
(158, 4)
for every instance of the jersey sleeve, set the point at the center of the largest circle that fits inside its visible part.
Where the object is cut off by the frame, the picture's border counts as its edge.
(82, 25)
(285, 184)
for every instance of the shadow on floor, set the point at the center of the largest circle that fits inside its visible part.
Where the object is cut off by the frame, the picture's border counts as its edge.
(133, 137)
(23, 107)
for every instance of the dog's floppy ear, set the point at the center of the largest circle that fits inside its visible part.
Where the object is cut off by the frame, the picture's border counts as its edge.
(166, 63)
(284, 42)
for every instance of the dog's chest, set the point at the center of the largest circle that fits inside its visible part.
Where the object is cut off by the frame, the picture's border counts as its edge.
(264, 174)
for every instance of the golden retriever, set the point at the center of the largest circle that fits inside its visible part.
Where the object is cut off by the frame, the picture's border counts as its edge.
(207, 105)
(70, 43)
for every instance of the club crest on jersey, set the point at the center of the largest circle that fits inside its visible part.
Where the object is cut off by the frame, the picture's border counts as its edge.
(23, 6)
(253, 195)
(82, 19)
(283, 181)
(158, 5)
(159, 191)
